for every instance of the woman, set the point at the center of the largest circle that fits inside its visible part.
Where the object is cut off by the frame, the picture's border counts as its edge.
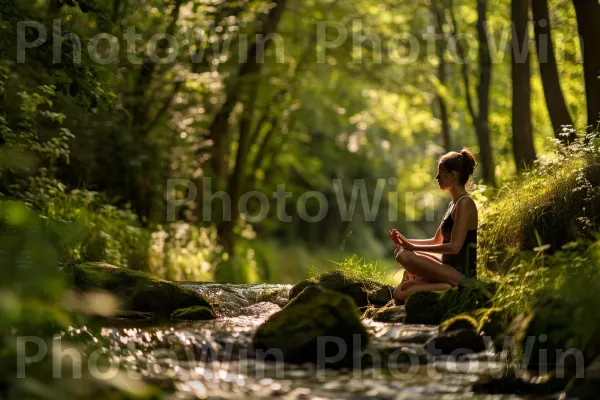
(455, 239)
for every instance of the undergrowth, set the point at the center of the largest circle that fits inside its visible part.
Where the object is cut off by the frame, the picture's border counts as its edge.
(552, 204)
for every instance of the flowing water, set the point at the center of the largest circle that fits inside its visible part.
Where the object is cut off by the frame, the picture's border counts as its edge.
(213, 359)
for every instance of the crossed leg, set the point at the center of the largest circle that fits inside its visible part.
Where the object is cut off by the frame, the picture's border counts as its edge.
(433, 274)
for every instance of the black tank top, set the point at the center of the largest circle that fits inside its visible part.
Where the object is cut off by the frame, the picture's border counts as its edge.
(465, 261)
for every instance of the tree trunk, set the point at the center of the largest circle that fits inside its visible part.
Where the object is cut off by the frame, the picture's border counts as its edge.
(225, 228)
(219, 128)
(480, 120)
(438, 16)
(555, 101)
(522, 138)
(588, 17)
(483, 97)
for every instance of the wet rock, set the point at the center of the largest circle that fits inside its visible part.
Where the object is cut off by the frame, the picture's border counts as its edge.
(135, 315)
(364, 292)
(513, 383)
(431, 308)
(459, 341)
(136, 290)
(226, 300)
(260, 309)
(313, 314)
(196, 313)
(390, 314)
(391, 357)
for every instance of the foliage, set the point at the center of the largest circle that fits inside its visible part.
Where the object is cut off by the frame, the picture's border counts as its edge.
(358, 268)
(556, 202)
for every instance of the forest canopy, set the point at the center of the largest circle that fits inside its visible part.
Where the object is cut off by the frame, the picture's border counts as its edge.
(167, 126)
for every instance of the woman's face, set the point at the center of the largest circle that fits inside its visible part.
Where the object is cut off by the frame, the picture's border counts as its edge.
(445, 177)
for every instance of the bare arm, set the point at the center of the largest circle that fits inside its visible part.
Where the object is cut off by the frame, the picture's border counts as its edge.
(437, 239)
(459, 233)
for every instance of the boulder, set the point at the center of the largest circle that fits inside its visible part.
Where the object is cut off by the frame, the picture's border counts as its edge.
(390, 314)
(195, 313)
(547, 330)
(459, 341)
(137, 291)
(458, 322)
(315, 313)
(424, 308)
(492, 322)
(431, 308)
(364, 292)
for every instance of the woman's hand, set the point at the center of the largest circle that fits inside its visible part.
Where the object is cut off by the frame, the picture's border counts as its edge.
(394, 237)
(404, 241)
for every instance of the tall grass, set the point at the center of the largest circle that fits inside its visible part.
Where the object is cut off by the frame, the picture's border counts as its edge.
(554, 203)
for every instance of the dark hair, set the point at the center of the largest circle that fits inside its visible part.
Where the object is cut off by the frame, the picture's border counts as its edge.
(464, 163)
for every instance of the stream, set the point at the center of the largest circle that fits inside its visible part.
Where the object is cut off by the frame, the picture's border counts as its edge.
(213, 359)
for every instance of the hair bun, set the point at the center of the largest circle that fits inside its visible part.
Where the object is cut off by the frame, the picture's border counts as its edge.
(468, 156)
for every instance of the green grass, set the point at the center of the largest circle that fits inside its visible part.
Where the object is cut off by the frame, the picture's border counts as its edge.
(555, 203)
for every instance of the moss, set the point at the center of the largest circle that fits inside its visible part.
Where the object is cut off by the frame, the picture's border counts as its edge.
(424, 308)
(431, 308)
(136, 290)
(458, 322)
(314, 313)
(492, 322)
(196, 313)
(546, 329)
(363, 291)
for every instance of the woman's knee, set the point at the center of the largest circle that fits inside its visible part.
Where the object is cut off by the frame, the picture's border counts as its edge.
(404, 256)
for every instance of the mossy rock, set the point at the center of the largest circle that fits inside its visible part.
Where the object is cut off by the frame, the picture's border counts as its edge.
(364, 292)
(136, 290)
(390, 314)
(313, 314)
(547, 330)
(196, 313)
(492, 322)
(459, 322)
(424, 308)
(431, 308)
(459, 341)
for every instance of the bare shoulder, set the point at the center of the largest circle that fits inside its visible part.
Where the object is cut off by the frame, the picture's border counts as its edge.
(467, 204)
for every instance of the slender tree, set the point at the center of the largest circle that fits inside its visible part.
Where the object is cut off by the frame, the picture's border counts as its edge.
(522, 136)
(555, 101)
(483, 95)
(219, 128)
(479, 117)
(588, 17)
(439, 19)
